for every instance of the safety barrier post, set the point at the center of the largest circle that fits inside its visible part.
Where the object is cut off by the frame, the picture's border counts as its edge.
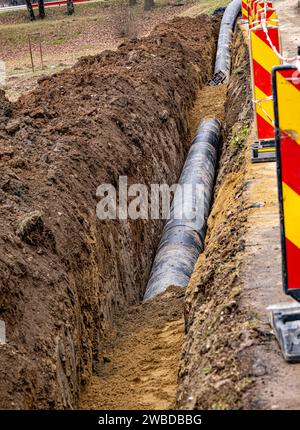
(286, 90)
(245, 11)
(266, 9)
(264, 47)
(286, 87)
(257, 8)
(250, 11)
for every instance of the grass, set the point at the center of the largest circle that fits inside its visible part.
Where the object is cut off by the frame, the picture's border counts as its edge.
(55, 13)
(54, 31)
(15, 25)
(94, 27)
(205, 6)
(59, 41)
(239, 136)
(58, 29)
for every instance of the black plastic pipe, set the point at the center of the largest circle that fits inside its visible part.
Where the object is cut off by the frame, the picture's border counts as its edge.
(223, 57)
(183, 238)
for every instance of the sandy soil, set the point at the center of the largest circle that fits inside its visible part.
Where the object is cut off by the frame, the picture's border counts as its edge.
(289, 18)
(141, 357)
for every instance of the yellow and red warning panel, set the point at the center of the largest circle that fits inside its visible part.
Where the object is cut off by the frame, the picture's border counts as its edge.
(286, 88)
(264, 42)
(250, 11)
(261, 9)
(266, 10)
(245, 10)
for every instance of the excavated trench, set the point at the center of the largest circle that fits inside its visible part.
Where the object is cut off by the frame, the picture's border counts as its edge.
(142, 358)
(71, 285)
(66, 276)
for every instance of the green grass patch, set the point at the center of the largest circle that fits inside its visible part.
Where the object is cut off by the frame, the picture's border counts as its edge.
(239, 136)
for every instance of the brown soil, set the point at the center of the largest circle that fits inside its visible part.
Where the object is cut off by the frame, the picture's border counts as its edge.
(216, 330)
(65, 274)
(141, 357)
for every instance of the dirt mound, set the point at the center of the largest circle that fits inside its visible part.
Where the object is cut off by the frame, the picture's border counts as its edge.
(64, 274)
(141, 357)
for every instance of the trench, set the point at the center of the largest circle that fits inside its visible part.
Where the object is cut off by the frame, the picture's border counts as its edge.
(145, 353)
(141, 358)
(78, 333)
(66, 275)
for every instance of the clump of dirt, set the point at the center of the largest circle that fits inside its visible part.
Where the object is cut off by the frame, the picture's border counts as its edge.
(141, 360)
(216, 328)
(65, 273)
(210, 103)
(5, 108)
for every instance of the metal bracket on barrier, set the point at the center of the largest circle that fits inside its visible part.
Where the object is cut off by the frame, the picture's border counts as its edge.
(285, 320)
(217, 79)
(263, 151)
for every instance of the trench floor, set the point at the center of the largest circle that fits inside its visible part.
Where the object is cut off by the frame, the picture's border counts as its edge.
(141, 359)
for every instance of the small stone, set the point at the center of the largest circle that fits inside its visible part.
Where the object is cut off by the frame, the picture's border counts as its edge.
(221, 383)
(8, 150)
(13, 126)
(45, 158)
(51, 176)
(2, 333)
(18, 162)
(163, 116)
(106, 359)
(207, 346)
(259, 368)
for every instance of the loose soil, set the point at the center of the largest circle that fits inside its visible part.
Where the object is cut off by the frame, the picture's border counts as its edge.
(65, 275)
(142, 357)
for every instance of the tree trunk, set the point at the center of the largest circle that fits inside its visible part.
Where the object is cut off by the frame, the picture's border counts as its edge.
(149, 4)
(41, 9)
(133, 2)
(30, 10)
(70, 7)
